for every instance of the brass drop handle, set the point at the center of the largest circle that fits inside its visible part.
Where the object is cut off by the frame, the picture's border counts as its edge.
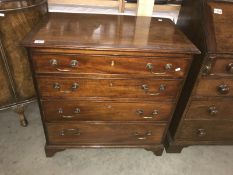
(229, 68)
(140, 112)
(142, 136)
(74, 87)
(213, 110)
(76, 111)
(162, 88)
(201, 132)
(150, 67)
(54, 63)
(70, 132)
(223, 89)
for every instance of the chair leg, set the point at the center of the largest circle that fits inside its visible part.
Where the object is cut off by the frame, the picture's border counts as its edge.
(19, 109)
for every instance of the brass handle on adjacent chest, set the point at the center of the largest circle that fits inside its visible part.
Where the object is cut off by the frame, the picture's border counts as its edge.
(153, 115)
(150, 67)
(213, 110)
(70, 132)
(223, 89)
(142, 136)
(74, 87)
(201, 132)
(229, 68)
(76, 111)
(206, 70)
(162, 88)
(54, 63)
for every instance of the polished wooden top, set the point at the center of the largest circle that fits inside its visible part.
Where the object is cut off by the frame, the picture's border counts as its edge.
(221, 25)
(109, 32)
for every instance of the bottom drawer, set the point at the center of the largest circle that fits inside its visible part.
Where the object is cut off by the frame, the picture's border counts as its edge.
(102, 133)
(206, 131)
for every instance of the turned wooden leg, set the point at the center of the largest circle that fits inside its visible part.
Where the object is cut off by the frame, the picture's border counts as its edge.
(50, 152)
(19, 109)
(158, 151)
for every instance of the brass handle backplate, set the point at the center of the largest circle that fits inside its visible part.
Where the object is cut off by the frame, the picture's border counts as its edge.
(229, 68)
(70, 132)
(206, 70)
(140, 112)
(74, 87)
(142, 136)
(201, 132)
(162, 88)
(54, 63)
(213, 110)
(223, 89)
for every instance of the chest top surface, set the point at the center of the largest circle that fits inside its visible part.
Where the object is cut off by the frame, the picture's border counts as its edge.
(221, 27)
(109, 32)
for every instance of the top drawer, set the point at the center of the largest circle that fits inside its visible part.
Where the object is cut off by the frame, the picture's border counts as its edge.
(85, 64)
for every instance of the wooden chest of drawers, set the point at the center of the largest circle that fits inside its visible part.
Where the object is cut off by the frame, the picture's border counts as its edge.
(206, 116)
(107, 81)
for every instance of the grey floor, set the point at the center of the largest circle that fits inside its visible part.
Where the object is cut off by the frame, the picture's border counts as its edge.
(21, 153)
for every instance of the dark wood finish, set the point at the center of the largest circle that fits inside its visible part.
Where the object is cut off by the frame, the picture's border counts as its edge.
(215, 87)
(17, 19)
(222, 66)
(50, 152)
(204, 111)
(107, 133)
(222, 26)
(213, 109)
(164, 67)
(89, 31)
(64, 87)
(206, 130)
(158, 150)
(122, 86)
(83, 110)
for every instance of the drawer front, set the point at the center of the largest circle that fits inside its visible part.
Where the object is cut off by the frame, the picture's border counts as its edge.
(106, 111)
(203, 130)
(174, 67)
(118, 88)
(211, 110)
(215, 87)
(120, 134)
(223, 67)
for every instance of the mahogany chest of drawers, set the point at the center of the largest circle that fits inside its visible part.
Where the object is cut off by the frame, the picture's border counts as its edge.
(204, 114)
(106, 80)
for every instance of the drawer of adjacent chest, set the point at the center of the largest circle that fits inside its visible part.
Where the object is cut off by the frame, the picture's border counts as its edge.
(106, 111)
(76, 64)
(222, 66)
(100, 133)
(213, 109)
(204, 130)
(118, 88)
(215, 87)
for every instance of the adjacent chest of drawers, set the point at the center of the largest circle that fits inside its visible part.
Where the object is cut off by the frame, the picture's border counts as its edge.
(206, 116)
(107, 81)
